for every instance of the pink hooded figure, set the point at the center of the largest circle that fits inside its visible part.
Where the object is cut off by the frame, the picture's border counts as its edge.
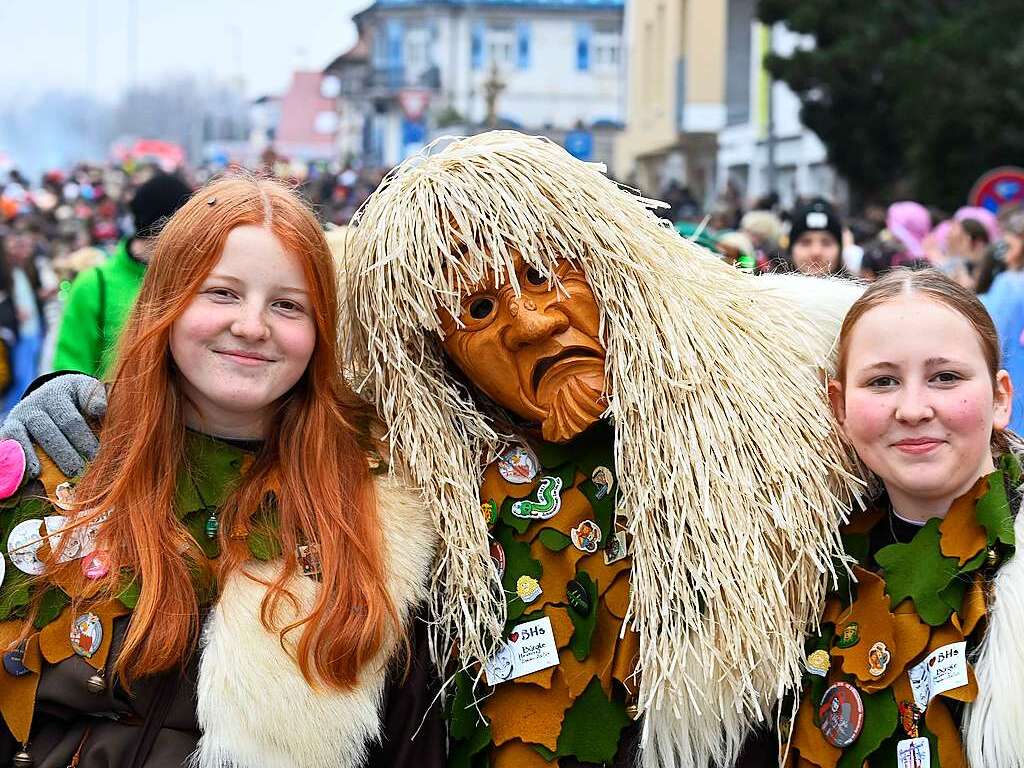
(983, 216)
(910, 223)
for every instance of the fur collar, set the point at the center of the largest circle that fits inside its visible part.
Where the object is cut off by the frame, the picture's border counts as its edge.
(255, 709)
(992, 723)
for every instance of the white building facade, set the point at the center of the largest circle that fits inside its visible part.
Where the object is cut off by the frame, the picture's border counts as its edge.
(759, 123)
(556, 67)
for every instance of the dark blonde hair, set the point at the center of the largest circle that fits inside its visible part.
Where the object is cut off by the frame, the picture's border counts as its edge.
(934, 285)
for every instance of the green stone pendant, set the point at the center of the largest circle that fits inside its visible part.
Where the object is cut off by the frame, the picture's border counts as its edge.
(212, 524)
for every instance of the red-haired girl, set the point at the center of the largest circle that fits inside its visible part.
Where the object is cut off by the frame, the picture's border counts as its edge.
(228, 583)
(918, 662)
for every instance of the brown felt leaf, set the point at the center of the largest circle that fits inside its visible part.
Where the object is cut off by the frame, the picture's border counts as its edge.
(50, 477)
(559, 570)
(627, 653)
(18, 694)
(541, 677)
(527, 712)
(516, 754)
(617, 595)
(599, 661)
(55, 638)
(808, 740)
(561, 626)
(833, 610)
(604, 575)
(871, 611)
(497, 487)
(939, 721)
(911, 636)
(974, 607)
(960, 534)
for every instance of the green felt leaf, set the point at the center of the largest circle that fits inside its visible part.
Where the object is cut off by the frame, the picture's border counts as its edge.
(544, 752)
(518, 562)
(881, 716)
(264, 544)
(919, 570)
(464, 717)
(129, 596)
(50, 606)
(14, 595)
(518, 524)
(212, 469)
(592, 726)
(583, 626)
(604, 508)
(554, 540)
(462, 754)
(993, 512)
(1010, 465)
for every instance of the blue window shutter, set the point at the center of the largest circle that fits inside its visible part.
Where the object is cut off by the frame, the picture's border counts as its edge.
(583, 47)
(476, 46)
(523, 45)
(394, 43)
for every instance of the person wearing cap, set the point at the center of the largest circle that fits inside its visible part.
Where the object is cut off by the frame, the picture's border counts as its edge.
(100, 298)
(815, 241)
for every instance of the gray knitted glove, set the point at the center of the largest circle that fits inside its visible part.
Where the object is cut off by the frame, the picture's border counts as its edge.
(54, 417)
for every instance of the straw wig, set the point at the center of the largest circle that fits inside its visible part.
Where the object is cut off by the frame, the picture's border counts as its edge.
(732, 479)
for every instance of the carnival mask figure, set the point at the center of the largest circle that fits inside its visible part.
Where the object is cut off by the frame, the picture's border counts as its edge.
(512, 308)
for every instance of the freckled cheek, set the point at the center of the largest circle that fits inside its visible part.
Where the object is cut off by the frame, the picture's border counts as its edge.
(968, 411)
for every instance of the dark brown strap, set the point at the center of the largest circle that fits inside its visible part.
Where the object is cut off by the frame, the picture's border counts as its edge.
(164, 695)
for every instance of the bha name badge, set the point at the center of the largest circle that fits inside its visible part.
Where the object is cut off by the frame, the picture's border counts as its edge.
(530, 648)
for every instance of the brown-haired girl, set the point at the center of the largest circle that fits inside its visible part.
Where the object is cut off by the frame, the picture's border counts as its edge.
(227, 583)
(917, 662)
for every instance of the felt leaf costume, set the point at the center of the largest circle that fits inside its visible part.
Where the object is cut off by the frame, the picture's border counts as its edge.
(895, 635)
(578, 708)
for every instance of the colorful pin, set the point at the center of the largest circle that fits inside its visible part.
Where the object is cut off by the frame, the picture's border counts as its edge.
(849, 636)
(489, 509)
(818, 663)
(528, 588)
(841, 715)
(498, 557)
(878, 659)
(549, 501)
(86, 635)
(615, 549)
(65, 493)
(3, 567)
(12, 467)
(586, 536)
(603, 480)
(212, 525)
(14, 662)
(308, 557)
(518, 465)
(579, 597)
(23, 545)
(96, 565)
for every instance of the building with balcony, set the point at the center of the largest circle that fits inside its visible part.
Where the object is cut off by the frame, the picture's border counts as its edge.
(545, 66)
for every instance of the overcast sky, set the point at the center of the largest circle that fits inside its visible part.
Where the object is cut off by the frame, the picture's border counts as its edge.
(87, 45)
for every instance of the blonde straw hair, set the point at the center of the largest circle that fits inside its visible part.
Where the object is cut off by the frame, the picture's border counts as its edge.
(732, 479)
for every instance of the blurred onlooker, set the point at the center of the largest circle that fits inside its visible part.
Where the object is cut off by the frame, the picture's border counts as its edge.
(100, 298)
(765, 232)
(736, 249)
(908, 223)
(816, 241)
(25, 290)
(966, 243)
(1005, 303)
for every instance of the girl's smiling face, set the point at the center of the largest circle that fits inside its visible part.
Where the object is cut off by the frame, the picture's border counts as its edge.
(918, 402)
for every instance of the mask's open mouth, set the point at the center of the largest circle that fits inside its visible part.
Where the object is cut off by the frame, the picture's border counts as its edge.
(545, 364)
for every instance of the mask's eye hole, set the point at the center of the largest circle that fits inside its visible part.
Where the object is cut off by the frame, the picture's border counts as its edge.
(534, 277)
(481, 308)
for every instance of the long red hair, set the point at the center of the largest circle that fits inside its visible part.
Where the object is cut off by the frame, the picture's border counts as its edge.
(313, 458)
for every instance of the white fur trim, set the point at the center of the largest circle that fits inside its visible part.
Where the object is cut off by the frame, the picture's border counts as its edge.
(994, 723)
(254, 707)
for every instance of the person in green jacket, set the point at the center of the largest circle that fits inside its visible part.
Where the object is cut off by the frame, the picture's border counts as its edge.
(100, 298)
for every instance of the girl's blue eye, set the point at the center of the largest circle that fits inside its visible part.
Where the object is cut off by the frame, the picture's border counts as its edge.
(882, 381)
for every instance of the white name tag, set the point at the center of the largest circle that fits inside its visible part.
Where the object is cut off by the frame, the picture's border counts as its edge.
(530, 648)
(942, 670)
(914, 753)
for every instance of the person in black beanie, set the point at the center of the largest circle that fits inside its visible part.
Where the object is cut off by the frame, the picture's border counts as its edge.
(100, 298)
(816, 241)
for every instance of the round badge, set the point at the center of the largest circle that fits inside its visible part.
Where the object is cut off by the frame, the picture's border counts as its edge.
(65, 493)
(14, 662)
(878, 659)
(518, 465)
(849, 636)
(66, 544)
(841, 714)
(579, 598)
(586, 536)
(23, 546)
(528, 589)
(95, 566)
(818, 663)
(603, 480)
(498, 557)
(3, 567)
(489, 509)
(86, 635)
(12, 467)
